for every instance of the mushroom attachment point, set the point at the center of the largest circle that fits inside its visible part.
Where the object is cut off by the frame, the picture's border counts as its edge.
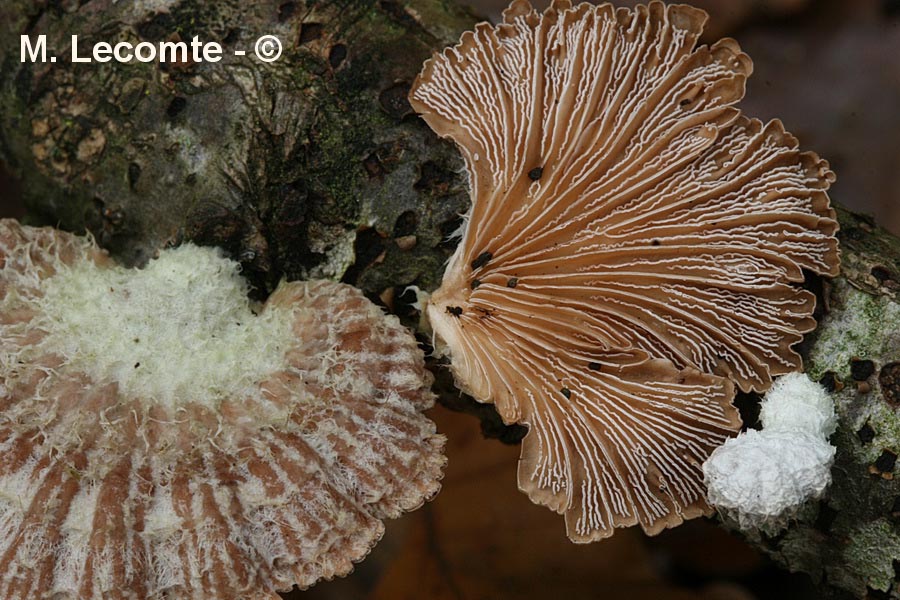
(163, 437)
(656, 257)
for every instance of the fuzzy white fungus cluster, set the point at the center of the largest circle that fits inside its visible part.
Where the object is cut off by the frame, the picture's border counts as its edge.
(761, 478)
(180, 329)
(162, 436)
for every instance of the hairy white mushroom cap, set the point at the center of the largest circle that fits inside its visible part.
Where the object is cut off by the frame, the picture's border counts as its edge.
(183, 327)
(162, 437)
(632, 253)
(762, 478)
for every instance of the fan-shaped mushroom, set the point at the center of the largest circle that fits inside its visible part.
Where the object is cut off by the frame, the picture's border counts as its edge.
(160, 437)
(631, 249)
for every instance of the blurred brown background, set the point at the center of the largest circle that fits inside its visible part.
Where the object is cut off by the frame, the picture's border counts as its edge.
(830, 69)
(481, 539)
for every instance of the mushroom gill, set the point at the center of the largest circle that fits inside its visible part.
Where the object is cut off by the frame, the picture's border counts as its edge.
(162, 437)
(631, 252)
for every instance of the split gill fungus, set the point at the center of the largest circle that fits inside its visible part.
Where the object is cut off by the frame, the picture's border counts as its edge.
(655, 237)
(162, 437)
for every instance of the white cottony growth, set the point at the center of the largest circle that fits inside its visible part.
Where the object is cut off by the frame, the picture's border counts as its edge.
(761, 478)
(762, 475)
(797, 403)
(180, 329)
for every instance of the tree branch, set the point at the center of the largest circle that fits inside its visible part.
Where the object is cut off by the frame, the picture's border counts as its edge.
(315, 166)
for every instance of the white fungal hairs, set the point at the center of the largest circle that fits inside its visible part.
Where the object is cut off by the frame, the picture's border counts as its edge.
(181, 329)
(762, 478)
(633, 252)
(163, 438)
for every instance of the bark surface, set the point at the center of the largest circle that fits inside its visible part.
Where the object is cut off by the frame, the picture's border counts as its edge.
(310, 166)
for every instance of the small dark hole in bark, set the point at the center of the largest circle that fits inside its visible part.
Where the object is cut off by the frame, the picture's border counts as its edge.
(885, 463)
(535, 173)
(433, 179)
(881, 273)
(475, 283)
(861, 369)
(337, 55)
(286, 11)
(456, 311)
(372, 165)
(176, 106)
(829, 381)
(594, 366)
(158, 27)
(406, 223)
(889, 379)
(310, 32)
(230, 37)
(394, 100)
(866, 434)
(566, 392)
(134, 173)
(512, 282)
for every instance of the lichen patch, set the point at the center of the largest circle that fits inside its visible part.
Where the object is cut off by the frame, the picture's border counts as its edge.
(863, 327)
(854, 331)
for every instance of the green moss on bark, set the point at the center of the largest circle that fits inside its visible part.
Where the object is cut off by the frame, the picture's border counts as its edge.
(850, 540)
(282, 164)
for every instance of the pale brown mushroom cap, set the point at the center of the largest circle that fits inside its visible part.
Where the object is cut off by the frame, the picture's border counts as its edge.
(109, 493)
(631, 248)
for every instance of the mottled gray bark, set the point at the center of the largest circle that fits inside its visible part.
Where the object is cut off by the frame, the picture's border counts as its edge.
(850, 541)
(314, 166)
